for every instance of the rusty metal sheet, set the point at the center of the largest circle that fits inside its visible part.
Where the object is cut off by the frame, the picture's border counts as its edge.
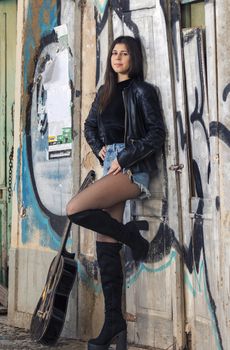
(2, 98)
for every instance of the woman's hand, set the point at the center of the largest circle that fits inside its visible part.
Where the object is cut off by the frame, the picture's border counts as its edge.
(114, 168)
(102, 153)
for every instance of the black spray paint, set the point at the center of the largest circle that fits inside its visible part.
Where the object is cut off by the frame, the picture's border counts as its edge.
(181, 129)
(226, 92)
(57, 222)
(219, 130)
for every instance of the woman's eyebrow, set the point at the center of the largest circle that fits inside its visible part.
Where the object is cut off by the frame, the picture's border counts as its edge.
(120, 51)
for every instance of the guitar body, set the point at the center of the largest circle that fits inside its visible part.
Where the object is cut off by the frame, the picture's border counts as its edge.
(49, 316)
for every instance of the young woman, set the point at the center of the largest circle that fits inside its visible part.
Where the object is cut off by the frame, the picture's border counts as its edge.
(124, 129)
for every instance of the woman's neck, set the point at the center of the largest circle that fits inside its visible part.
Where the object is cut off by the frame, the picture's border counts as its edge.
(122, 77)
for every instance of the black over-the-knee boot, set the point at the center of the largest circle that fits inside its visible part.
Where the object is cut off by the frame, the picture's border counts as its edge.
(114, 328)
(100, 221)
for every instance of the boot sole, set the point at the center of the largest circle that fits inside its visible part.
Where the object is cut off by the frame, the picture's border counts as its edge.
(120, 339)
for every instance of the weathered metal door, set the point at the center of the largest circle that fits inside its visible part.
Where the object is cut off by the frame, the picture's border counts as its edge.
(7, 76)
(207, 86)
(195, 69)
(202, 215)
(154, 302)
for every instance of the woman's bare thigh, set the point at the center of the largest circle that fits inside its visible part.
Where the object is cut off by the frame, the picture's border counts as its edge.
(104, 193)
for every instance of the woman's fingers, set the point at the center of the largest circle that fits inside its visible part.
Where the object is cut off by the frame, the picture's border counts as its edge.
(115, 168)
(117, 171)
(102, 152)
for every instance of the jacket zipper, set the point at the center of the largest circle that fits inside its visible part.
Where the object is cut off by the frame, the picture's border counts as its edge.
(137, 160)
(123, 96)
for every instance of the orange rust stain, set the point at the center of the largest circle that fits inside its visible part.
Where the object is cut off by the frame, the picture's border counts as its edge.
(53, 3)
(46, 16)
(33, 27)
(36, 6)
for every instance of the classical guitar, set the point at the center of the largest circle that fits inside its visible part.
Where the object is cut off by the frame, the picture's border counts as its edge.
(49, 315)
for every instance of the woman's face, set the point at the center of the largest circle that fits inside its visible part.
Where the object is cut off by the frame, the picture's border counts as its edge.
(120, 61)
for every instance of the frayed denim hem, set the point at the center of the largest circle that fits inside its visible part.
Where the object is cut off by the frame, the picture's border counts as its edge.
(141, 180)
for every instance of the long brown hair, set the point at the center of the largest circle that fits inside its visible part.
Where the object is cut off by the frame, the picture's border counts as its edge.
(133, 46)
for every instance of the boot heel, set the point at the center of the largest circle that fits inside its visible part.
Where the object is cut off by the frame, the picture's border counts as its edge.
(142, 225)
(121, 340)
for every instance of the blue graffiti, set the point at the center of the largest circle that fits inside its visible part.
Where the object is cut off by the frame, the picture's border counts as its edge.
(17, 181)
(101, 5)
(45, 28)
(199, 280)
(87, 280)
(36, 218)
(144, 268)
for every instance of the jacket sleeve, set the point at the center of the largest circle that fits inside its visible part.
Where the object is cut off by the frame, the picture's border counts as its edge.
(153, 140)
(91, 131)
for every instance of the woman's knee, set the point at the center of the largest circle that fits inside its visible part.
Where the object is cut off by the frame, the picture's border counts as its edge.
(71, 207)
(104, 238)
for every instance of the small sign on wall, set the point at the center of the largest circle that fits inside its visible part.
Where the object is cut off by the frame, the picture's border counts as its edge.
(56, 85)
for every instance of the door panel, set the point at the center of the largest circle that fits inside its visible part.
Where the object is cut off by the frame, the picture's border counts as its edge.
(203, 273)
(153, 301)
(221, 133)
(7, 76)
(2, 96)
(3, 147)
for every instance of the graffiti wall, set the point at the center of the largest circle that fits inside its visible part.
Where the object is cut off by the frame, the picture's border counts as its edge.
(43, 179)
(47, 139)
(179, 297)
(183, 66)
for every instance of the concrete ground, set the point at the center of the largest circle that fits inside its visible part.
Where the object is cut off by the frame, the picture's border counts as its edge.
(12, 338)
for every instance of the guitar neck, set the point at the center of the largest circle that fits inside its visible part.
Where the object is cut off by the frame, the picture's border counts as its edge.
(88, 180)
(65, 238)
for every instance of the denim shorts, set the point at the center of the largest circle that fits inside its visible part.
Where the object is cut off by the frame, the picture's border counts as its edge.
(142, 179)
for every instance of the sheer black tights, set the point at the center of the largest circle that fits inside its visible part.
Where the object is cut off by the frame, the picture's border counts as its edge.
(109, 193)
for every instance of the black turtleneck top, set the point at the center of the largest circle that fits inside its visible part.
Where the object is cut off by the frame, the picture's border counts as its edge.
(113, 116)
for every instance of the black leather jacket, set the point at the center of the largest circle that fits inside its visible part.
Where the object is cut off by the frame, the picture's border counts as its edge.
(144, 128)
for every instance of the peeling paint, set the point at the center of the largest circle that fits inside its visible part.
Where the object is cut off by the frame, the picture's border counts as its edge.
(89, 161)
(35, 218)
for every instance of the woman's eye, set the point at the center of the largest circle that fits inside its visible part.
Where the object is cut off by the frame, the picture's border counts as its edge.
(122, 53)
